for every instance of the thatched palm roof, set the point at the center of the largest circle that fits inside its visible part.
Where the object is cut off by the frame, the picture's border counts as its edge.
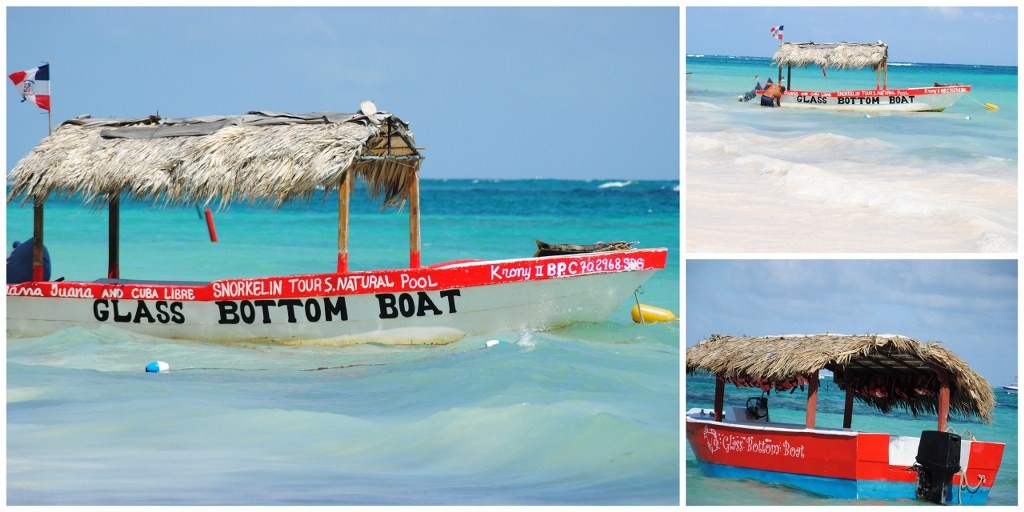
(259, 157)
(832, 55)
(896, 365)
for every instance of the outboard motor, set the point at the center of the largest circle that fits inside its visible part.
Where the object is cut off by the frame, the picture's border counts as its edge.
(938, 459)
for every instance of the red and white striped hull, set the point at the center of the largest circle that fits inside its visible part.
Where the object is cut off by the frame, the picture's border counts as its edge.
(837, 463)
(430, 305)
(914, 99)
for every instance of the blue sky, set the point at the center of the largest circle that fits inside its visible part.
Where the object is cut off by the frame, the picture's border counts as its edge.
(970, 306)
(570, 93)
(950, 35)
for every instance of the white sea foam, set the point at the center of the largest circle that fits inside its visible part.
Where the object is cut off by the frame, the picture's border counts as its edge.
(843, 188)
(615, 184)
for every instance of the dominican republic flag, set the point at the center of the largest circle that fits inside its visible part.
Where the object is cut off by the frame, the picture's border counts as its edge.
(777, 32)
(34, 85)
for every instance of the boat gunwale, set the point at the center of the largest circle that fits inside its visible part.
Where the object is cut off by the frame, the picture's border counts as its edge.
(779, 427)
(457, 274)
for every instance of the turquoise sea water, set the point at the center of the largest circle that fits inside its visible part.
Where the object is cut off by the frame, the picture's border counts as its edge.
(799, 180)
(586, 414)
(785, 407)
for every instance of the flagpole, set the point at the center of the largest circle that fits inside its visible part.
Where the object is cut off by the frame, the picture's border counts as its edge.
(37, 207)
(49, 111)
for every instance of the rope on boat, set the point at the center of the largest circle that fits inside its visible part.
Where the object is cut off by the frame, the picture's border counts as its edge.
(967, 434)
(636, 295)
(964, 485)
(989, 106)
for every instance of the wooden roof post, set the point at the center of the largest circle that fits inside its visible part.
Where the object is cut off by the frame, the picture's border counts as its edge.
(943, 408)
(885, 73)
(344, 192)
(848, 409)
(113, 238)
(719, 398)
(414, 219)
(812, 398)
(37, 240)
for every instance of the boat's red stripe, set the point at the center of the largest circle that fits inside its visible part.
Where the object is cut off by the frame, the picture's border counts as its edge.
(871, 93)
(436, 277)
(984, 460)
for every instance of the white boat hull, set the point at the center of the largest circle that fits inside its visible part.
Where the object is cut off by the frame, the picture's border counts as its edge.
(432, 305)
(916, 99)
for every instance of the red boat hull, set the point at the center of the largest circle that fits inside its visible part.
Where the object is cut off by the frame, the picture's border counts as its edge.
(837, 463)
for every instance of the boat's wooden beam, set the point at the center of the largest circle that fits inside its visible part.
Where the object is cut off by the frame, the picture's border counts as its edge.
(344, 193)
(893, 362)
(943, 407)
(37, 240)
(113, 238)
(848, 408)
(719, 398)
(412, 147)
(812, 399)
(857, 364)
(368, 158)
(414, 219)
(885, 73)
(881, 363)
(904, 364)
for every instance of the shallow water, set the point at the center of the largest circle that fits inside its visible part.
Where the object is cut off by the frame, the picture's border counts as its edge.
(586, 414)
(788, 180)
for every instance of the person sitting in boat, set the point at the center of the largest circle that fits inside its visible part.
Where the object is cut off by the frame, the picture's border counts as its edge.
(19, 263)
(772, 96)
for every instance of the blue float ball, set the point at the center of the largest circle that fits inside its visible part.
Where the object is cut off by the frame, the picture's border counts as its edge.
(157, 367)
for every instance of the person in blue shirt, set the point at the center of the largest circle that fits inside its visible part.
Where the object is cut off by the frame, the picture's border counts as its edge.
(19, 263)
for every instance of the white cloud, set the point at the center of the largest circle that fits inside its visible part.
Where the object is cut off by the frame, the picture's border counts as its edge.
(951, 13)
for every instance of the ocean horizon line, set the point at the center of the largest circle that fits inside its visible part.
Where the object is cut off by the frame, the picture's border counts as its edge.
(892, 63)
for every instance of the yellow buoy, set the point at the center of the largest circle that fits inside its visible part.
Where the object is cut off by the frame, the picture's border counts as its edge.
(990, 106)
(651, 314)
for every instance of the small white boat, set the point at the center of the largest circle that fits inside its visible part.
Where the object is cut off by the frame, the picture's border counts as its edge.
(275, 158)
(1011, 388)
(935, 98)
